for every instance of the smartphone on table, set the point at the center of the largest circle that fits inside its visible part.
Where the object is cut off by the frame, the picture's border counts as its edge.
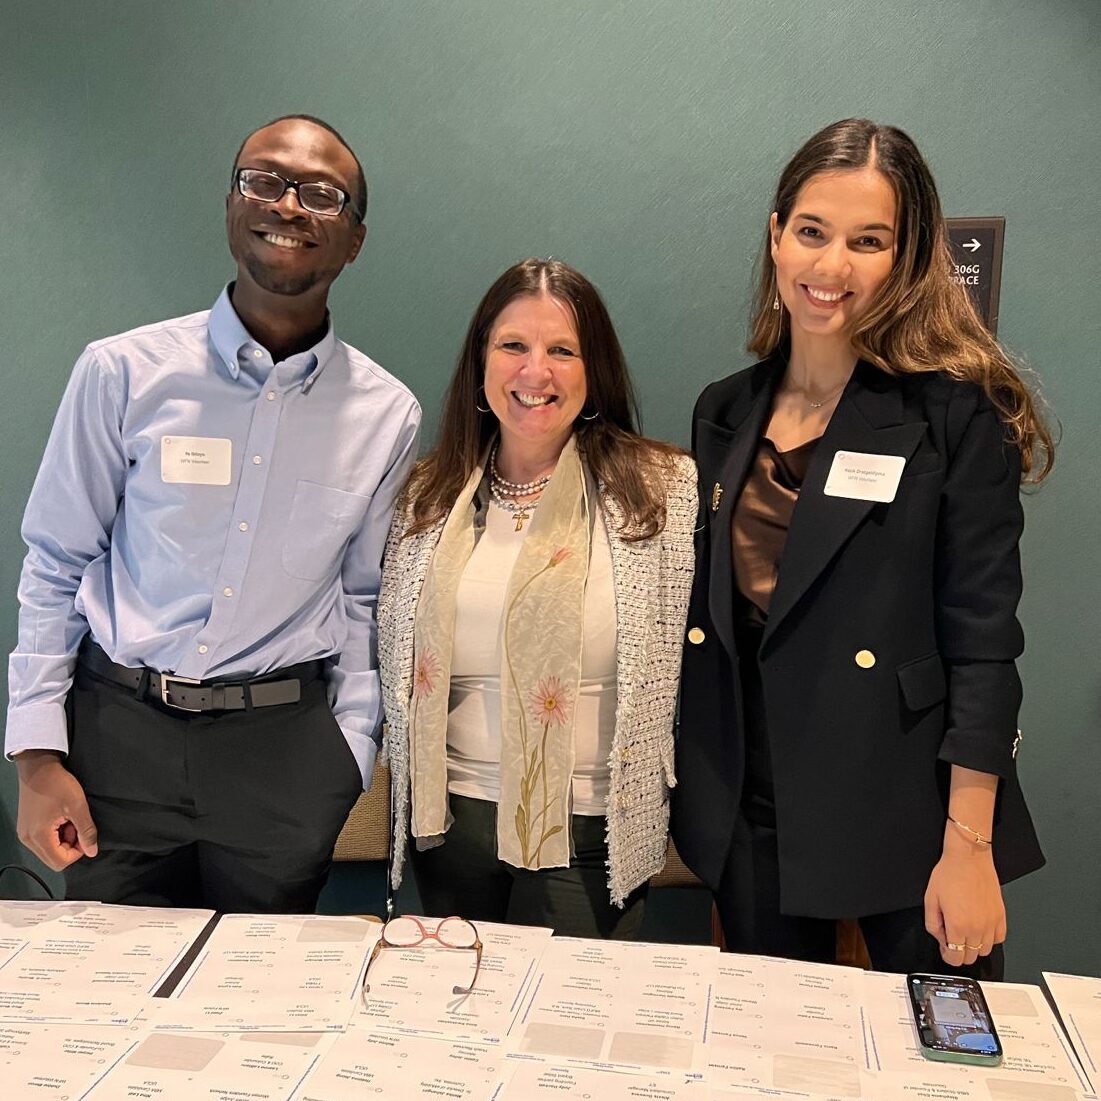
(953, 1020)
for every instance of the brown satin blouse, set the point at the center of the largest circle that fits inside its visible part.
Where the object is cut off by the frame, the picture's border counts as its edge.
(762, 515)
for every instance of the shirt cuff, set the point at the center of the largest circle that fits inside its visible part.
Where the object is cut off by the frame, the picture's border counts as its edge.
(38, 726)
(365, 750)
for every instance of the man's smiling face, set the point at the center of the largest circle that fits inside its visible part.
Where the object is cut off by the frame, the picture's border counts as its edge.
(280, 247)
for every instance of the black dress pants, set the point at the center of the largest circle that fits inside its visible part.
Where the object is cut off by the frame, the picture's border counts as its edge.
(464, 877)
(236, 811)
(748, 898)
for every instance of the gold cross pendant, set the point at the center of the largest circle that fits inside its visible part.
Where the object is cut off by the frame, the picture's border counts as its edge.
(521, 516)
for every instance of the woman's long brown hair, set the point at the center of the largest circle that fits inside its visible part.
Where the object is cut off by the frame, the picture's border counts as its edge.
(920, 319)
(628, 466)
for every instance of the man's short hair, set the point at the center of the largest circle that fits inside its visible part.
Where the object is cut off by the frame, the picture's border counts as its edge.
(359, 197)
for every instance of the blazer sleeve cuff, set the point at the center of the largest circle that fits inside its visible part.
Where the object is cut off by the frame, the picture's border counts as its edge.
(984, 700)
(976, 751)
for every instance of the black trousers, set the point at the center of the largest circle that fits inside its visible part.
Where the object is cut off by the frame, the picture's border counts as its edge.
(236, 811)
(463, 876)
(748, 898)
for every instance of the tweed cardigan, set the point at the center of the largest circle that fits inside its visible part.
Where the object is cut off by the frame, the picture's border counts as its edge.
(652, 581)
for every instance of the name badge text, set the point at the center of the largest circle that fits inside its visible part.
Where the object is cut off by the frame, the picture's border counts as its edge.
(864, 477)
(196, 460)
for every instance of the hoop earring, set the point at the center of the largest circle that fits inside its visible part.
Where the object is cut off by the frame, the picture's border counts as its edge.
(477, 406)
(591, 416)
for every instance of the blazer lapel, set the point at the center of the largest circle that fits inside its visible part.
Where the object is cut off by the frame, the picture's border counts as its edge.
(738, 436)
(868, 419)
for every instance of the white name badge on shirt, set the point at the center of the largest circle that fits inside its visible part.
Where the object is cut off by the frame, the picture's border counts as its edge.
(196, 460)
(864, 477)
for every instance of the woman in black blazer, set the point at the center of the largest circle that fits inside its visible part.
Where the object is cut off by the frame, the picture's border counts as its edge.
(848, 726)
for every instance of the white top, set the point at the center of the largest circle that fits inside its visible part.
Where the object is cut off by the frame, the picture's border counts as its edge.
(474, 706)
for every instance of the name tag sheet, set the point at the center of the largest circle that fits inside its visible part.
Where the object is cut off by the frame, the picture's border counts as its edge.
(635, 1005)
(793, 1028)
(822, 1033)
(420, 990)
(85, 963)
(210, 1066)
(1078, 1000)
(368, 1062)
(416, 1034)
(1039, 1063)
(272, 1008)
(275, 973)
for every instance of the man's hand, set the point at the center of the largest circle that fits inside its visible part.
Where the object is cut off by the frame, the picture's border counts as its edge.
(54, 820)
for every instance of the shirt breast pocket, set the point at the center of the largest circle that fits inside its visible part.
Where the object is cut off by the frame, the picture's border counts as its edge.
(322, 520)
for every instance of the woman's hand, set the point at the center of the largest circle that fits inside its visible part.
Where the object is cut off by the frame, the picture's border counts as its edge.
(963, 902)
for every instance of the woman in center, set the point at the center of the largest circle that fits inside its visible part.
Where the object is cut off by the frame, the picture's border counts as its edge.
(534, 594)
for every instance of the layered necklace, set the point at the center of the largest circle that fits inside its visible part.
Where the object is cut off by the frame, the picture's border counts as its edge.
(507, 494)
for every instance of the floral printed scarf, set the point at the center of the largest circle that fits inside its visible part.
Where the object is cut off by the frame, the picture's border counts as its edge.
(540, 671)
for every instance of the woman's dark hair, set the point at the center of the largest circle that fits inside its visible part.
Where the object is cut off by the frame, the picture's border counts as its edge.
(625, 464)
(920, 318)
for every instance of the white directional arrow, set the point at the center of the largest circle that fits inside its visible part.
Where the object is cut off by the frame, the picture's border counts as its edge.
(973, 245)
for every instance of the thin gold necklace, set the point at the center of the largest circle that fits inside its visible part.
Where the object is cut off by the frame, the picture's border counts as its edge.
(827, 399)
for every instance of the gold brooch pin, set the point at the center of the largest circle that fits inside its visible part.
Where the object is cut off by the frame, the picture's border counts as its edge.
(716, 497)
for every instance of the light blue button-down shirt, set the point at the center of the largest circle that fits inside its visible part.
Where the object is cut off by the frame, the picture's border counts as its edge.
(281, 565)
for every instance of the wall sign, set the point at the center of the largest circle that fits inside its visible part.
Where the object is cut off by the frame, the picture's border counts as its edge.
(977, 253)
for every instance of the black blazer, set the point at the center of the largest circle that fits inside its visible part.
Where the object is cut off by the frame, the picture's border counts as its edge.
(927, 586)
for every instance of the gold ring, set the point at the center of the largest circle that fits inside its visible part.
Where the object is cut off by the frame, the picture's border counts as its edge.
(973, 947)
(955, 947)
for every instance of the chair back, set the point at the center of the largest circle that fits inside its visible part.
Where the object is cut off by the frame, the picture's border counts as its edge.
(366, 833)
(675, 873)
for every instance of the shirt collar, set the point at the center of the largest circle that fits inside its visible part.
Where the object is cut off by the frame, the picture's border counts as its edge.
(231, 339)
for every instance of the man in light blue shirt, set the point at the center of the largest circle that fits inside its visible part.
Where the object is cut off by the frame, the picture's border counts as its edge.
(194, 698)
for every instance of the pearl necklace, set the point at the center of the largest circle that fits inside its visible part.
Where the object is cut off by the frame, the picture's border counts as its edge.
(504, 493)
(514, 489)
(522, 512)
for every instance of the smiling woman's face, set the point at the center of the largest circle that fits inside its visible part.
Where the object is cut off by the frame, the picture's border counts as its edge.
(835, 251)
(534, 374)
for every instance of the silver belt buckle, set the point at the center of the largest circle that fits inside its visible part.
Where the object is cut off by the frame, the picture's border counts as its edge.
(166, 680)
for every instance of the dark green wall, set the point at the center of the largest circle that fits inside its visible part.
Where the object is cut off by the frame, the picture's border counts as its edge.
(638, 140)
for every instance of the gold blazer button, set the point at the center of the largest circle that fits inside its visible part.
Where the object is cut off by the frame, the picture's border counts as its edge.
(865, 659)
(696, 636)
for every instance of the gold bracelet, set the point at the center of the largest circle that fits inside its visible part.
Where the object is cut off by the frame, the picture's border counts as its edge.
(968, 830)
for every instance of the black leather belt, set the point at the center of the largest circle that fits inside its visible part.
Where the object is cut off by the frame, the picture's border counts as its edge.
(185, 694)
